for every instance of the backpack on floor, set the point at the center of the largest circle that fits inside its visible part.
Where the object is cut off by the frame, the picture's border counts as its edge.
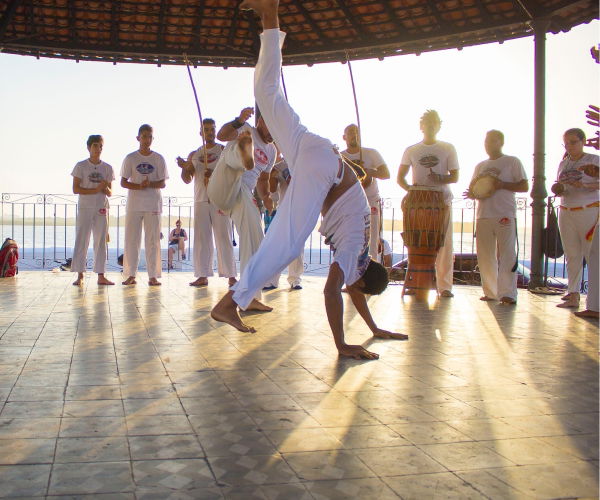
(9, 256)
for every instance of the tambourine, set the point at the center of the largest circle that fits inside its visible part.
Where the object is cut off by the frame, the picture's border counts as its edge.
(483, 187)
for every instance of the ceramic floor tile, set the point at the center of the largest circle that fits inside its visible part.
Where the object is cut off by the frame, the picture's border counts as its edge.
(24, 480)
(29, 427)
(323, 465)
(234, 443)
(252, 470)
(15, 451)
(173, 474)
(303, 439)
(367, 436)
(351, 488)
(93, 427)
(465, 456)
(105, 408)
(165, 447)
(435, 486)
(429, 432)
(34, 409)
(91, 478)
(147, 425)
(84, 449)
(397, 461)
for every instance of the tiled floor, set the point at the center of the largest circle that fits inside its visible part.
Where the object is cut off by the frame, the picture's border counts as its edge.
(136, 393)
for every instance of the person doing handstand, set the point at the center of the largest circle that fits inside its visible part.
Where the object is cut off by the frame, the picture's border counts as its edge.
(321, 182)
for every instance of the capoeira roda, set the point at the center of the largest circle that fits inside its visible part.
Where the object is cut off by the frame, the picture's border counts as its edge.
(92, 181)
(321, 183)
(244, 164)
(208, 218)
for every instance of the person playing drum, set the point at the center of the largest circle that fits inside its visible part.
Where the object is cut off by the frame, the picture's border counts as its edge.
(494, 184)
(434, 163)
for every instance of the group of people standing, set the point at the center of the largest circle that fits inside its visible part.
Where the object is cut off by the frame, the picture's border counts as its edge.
(297, 175)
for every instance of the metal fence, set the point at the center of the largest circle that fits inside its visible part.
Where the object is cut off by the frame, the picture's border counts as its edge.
(44, 227)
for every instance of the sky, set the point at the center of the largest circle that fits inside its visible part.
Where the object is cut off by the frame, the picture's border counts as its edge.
(50, 106)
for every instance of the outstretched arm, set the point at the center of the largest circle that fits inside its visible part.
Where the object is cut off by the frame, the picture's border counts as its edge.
(229, 131)
(334, 305)
(360, 302)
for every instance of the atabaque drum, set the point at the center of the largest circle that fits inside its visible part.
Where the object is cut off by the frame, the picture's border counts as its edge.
(425, 219)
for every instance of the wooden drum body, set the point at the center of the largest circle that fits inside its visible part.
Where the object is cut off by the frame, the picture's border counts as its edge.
(425, 217)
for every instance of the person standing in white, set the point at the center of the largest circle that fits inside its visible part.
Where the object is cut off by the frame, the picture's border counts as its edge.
(233, 181)
(434, 163)
(495, 229)
(208, 218)
(143, 173)
(375, 168)
(92, 181)
(279, 181)
(579, 206)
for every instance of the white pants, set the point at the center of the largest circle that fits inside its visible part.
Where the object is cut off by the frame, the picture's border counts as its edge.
(90, 220)
(593, 298)
(574, 225)
(313, 166)
(444, 263)
(295, 271)
(133, 239)
(496, 256)
(375, 228)
(209, 220)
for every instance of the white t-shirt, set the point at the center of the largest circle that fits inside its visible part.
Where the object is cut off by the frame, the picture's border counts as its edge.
(502, 202)
(91, 175)
(264, 158)
(371, 159)
(212, 156)
(438, 158)
(346, 227)
(568, 170)
(136, 167)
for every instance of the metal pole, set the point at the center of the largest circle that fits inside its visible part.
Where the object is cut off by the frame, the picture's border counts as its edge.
(538, 191)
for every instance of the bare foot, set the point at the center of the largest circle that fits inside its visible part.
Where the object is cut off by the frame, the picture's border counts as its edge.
(226, 312)
(200, 282)
(572, 301)
(154, 282)
(103, 281)
(130, 281)
(588, 313)
(78, 282)
(508, 301)
(232, 281)
(256, 305)
(384, 334)
(356, 352)
(485, 298)
(246, 150)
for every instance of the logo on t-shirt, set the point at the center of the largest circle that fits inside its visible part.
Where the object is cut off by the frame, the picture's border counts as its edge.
(571, 175)
(210, 158)
(145, 168)
(95, 177)
(260, 157)
(429, 161)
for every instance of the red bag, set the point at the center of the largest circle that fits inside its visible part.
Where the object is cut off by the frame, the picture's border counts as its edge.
(9, 256)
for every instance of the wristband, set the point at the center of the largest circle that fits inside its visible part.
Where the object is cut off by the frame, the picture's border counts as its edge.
(236, 123)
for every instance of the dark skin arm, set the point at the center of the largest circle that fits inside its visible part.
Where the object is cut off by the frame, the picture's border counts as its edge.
(360, 302)
(227, 132)
(334, 305)
(401, 179)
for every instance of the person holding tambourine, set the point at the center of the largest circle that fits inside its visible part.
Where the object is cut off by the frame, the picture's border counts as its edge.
(579, 206)
(494, 184)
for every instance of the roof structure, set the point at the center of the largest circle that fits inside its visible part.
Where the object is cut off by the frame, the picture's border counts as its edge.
(217, 33)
